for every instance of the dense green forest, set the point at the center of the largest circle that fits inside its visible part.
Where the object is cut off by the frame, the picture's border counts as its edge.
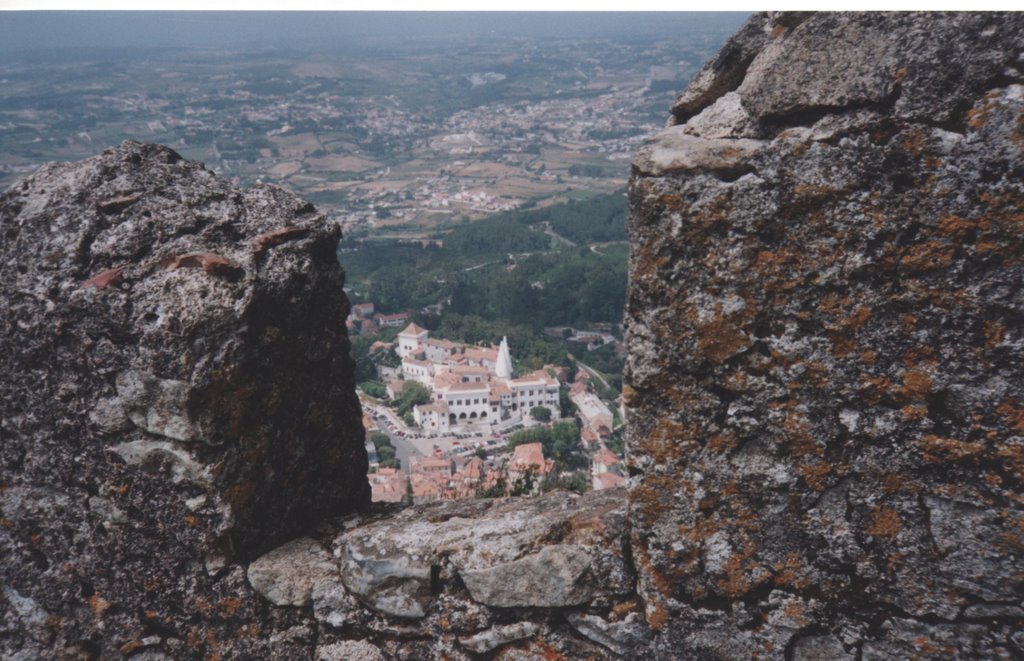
(507, 267)
(599, 219)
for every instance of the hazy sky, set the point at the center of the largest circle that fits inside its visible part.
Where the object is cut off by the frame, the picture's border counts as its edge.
(25, 31)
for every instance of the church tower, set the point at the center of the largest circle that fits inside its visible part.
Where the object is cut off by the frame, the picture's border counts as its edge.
(503, 367)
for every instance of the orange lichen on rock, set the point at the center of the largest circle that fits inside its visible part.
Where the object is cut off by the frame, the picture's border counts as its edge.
(98, 604)
(669, 440)
(798, 436)
(105, 279)
(721, 338)
(958, 228)
(132, 646)
(884, 522)
(700, 531)
(977, 117)
(623, 609)
(657, 616)
(781, 269)
(722, 442)
(794, 610)
(995, 331)
(912, 412)
(919, 355)
(814, 474)
(893, 483)
(1013, 413)
(917, 385)
(229, 605)
(277, 237)
(913, 140)
(210, 263)
(673, 203)
(928, 256)
(740, 576)
(788, 572)
(936, 449)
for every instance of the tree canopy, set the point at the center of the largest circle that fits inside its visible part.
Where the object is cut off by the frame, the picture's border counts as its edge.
(412, 394)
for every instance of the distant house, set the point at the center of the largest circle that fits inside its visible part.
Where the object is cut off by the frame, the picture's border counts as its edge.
(589, 438)
(528, 459)
(607, 481)
(592, 410)
(418, 370)
(606, 470)
(409, 340)
(430, 478)
(395, 388)
(388, 485)
(431, 466)
(391, 320)
(425, 488)
(432, 417)
(361, 311)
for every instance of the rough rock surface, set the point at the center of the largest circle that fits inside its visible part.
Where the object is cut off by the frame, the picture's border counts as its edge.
(825, 388)
(468, 577)
(288, 575)
(176, 395)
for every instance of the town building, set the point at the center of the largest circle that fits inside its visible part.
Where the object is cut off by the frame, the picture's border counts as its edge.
(606, 470)
(391, 320)
(528, 460)
(432, 417)
(409, 339)
(443, 478)
(596, 416)
(469, 384)
(361, 311)
(388, 485)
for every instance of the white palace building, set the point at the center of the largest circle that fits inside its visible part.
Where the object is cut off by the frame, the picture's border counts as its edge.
(470, 384)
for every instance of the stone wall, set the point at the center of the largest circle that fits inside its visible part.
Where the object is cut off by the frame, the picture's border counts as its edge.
(177, 396)
(825, 387)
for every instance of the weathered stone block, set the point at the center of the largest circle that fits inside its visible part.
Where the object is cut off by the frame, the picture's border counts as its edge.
(177, 389)
(824, 387)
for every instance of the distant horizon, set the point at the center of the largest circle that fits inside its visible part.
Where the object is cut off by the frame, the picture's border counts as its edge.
(40, 32)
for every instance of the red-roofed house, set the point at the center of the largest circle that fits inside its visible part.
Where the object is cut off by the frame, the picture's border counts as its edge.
(388, 485)
(607, 481)
(528, 459)
(606, 470)
(361, 311)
